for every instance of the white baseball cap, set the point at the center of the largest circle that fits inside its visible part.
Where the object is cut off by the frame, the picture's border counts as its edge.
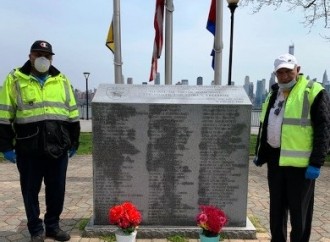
(285, 61)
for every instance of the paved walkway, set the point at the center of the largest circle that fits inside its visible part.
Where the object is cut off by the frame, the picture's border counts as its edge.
(79, 203)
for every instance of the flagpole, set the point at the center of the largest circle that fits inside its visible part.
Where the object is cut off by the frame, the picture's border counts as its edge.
(117, 40)
(218, 43)
(168, 41)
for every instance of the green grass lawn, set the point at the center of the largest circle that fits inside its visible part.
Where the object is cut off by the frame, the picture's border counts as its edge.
(86, 145)
(253, 141)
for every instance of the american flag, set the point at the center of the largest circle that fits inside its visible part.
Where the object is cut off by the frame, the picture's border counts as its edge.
(158, 43)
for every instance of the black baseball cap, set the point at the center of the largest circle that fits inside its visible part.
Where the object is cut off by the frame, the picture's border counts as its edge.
(41, 45)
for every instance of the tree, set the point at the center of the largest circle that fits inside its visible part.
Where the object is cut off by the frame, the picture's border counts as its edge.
(314, 10)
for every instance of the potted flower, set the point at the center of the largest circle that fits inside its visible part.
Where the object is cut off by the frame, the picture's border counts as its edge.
(127, 217)
(211, 219)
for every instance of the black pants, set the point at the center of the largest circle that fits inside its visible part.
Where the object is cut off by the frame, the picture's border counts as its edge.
(33, 170)
(289, 193)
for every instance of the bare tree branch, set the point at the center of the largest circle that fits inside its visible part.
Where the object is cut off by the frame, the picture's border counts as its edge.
(314, 10)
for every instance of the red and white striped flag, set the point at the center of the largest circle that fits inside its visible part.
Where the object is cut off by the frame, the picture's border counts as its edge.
(158, 43)
(154, 66)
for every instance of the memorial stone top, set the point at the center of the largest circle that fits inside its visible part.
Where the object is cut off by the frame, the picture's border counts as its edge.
(167, 94)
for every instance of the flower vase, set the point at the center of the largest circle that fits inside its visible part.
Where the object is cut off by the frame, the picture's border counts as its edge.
(204, 238)
(122, 237)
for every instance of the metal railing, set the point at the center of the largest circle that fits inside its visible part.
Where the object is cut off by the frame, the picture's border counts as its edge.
(83, 113)
(255, 121)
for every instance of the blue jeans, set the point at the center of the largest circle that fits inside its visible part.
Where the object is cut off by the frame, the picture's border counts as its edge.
(34, 170)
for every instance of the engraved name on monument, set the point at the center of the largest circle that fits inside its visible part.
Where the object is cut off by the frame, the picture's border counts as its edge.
(169, 149)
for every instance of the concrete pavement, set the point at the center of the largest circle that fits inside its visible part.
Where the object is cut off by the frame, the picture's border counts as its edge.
(79, 202)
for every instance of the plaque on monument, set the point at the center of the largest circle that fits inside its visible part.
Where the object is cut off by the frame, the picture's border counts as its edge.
(169, 149)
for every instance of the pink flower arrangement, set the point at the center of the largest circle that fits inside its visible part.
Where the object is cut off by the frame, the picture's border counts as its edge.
(211, 219)
(126, 216)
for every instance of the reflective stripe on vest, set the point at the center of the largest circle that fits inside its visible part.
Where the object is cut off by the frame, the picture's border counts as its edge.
(297, 154)
(5, 111)
(304, 120)
(39, 110)
(297, 131)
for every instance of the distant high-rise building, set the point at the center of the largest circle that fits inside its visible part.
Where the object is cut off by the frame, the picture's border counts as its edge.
(200, 81)
(157, 80)
(291, 49)
(129, 80)
(248, 87)
(184, 82)
(260, 93)
(327, 88)
(246, 84)
(325, 80)
(251, 90)
(272, 81)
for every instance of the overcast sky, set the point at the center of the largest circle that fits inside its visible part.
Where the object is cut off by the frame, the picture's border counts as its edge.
(77, 29)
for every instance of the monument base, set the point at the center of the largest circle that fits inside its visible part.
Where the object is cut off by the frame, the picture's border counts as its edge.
(160, 232)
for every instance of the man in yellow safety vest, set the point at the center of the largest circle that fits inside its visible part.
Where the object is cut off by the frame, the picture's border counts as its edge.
(39, 130)
(293, 140)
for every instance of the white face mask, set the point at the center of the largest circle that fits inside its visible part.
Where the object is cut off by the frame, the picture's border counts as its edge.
(42, 64)
(287, 86)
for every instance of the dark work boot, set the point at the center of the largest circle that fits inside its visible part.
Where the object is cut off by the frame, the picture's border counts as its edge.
(58, 234)
(37, 238)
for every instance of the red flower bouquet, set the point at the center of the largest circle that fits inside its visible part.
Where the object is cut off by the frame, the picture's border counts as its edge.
(211, 219)
(125, 216)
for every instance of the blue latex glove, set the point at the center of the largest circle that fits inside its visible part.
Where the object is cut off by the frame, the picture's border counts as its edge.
(10, 155)
(72, 152)
(256, 161)
(312, 172)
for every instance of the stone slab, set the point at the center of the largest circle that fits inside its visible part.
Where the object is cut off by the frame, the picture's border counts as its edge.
(169, 149)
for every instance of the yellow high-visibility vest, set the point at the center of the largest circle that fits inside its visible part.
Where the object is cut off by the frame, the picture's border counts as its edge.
(24, 100)
(297, 130)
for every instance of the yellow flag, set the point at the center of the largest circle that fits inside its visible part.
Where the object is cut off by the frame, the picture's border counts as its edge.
(110, 43)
